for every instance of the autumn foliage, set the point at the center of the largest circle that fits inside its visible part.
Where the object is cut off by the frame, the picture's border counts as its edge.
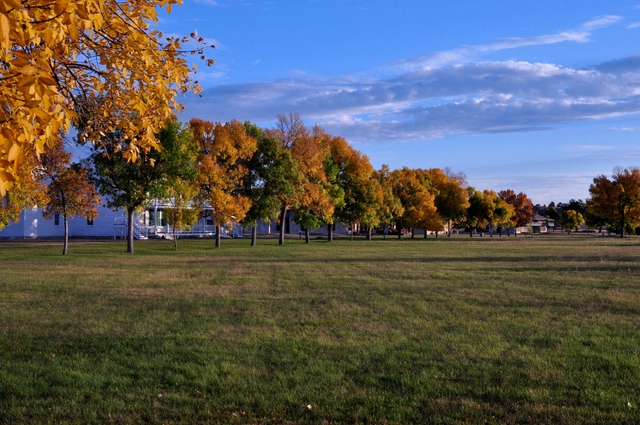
(53, 53)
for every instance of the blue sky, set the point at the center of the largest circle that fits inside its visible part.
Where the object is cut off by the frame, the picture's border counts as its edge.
(537, 96)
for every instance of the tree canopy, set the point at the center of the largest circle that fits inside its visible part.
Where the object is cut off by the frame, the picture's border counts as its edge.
(53, 53)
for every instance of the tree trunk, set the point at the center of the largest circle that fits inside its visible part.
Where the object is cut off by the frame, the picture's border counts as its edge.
(515, 231)
(306, 235)
(384, 232)
(369, 233)
(471, 233)
(175, 239)
(449, 221)
(329, 232)
(66, 235)
(218, 235)
(413, 233)
(622, 227)
(436, 234)
(399, 230)
(283, 215)
(352, 230)
(254, 235)
(425, 233)
(130, 212)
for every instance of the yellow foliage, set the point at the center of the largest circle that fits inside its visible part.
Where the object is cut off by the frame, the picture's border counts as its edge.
(53, 51)
(226, 148)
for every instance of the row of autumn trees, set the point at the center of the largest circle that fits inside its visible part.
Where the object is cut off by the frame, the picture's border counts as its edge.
(240, 173)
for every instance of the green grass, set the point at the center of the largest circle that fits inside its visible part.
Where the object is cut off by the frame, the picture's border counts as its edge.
(484, 330)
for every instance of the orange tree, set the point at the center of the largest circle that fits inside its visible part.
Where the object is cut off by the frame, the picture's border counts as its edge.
(54, 52)
(522, 207)
(616, 201)
(320, 194)
(69, 189)
(226, 150)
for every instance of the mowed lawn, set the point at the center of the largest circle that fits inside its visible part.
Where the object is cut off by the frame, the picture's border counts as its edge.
(483, 330)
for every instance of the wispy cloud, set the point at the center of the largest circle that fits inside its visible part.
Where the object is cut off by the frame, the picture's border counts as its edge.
(633, 25)
(207, 2)
(444, 93)
(625, 128)
(601, 22)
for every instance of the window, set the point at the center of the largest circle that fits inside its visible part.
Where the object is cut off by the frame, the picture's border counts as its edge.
(89, 222)
(56, 219)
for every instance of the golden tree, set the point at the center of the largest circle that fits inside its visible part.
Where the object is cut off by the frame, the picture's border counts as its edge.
(53, 53)
(451, 196)
(226, 150)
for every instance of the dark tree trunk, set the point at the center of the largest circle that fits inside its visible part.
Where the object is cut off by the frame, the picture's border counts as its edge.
(254, 235)
(399, 230)
(329, 232)
(130, 212)
(218, 235)
(283, 215)
(471, 233)
(425, 233)
(369, 233)
(385, 230)
(622, 227)
(306, 235)
(66, 235)
(436, 234)
(413, 233)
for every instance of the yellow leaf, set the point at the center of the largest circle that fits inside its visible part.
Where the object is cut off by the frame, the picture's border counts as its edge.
(4, 27)
(13, 152)
(8, 177)
(3, 189)
(14, 4)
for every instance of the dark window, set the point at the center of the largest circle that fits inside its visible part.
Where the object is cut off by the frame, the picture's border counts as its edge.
(89, 222)
(56, 219)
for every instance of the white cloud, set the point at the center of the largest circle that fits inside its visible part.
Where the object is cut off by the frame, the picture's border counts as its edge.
(633, 25)
(601, 22)
(625, 128)
(442, 94)
(207, 2)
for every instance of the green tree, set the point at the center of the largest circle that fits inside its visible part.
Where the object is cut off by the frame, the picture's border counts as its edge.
(178, 162)
(390, 210)
(273, 177)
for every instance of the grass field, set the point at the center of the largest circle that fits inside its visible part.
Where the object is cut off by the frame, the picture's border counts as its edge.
(483, 330)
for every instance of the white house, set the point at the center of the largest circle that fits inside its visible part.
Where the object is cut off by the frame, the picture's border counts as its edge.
(150, 223)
